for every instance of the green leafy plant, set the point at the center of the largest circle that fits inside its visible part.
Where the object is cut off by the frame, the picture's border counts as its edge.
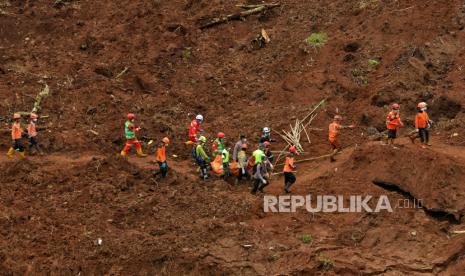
(325, 263)
(317, 40)
(373, 63)
(306, 238)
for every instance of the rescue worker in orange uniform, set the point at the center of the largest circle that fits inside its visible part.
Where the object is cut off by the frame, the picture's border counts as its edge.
(130, 132)
(333, 134)
(422, 125)
(289, 177)
(161, 157)
(32, 134)
(16, 135)
(393, 122)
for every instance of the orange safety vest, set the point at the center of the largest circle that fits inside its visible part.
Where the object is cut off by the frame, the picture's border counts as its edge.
(31, 129)
(289, 165)
(393, 120)
(16, 131)
(161, 154)
(333, 131)
(421, 120)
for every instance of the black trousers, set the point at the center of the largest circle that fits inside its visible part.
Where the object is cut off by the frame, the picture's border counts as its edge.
(243, 174)
(34, 143)
(203, 168)
(289, 179)
(163, 169)
(258, 185)
(18, 145)
(424, 135)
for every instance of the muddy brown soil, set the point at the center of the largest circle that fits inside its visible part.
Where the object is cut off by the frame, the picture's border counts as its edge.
(103, 59)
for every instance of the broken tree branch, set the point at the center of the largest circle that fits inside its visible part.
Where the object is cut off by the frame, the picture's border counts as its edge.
(309, 159)
(40, 97)
(239, 16)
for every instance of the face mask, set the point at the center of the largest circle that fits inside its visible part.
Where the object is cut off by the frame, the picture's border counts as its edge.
(423, 109)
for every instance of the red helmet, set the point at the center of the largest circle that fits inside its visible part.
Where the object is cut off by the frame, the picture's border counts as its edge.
(395, 106)
(131, 116)
(337, 117)
(165, 140)
(220, 134)
(244, 146)
(293, 149)
(266, 144)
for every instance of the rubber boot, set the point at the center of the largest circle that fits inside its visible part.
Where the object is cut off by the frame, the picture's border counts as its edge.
(140, 153)
(10, 152)
(22, 154)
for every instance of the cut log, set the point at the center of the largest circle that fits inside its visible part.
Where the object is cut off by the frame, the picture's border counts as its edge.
(239, 15)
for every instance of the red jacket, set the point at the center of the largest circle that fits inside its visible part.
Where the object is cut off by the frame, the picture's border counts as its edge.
(193, 130)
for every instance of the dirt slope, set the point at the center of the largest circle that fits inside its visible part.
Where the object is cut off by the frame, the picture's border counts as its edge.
(103, 59)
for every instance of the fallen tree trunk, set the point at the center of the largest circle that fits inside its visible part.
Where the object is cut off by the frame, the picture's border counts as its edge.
(239, 15)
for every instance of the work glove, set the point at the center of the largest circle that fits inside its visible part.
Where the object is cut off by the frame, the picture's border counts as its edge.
(263, 181)
(416, 130)
(243, 171)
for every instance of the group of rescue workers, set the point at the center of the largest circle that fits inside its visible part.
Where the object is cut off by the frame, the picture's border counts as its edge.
(17, 134)
(255, 170)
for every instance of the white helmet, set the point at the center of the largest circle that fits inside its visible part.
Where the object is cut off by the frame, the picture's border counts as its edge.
(199, 117)
(266, 130)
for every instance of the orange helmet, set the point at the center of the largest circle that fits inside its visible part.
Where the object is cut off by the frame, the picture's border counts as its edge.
(422, 105)
(395, 106)
(293, 149)
(244, 146)
(131, 116)
(16, 116)
(165, 140)
(220, 135)
(337, 117)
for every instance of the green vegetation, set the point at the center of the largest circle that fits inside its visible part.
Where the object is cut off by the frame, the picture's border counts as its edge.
(317, 40)
(306, 238)
(373, 63)
(325, 263)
